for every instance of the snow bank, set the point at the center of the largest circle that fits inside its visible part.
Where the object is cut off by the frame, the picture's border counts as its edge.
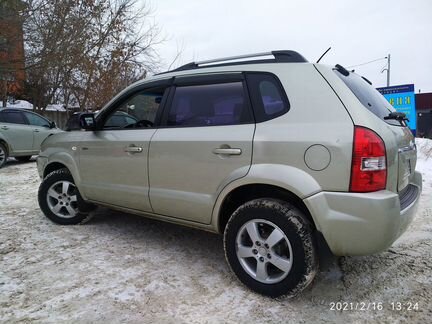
(23, 104)
(19, 104)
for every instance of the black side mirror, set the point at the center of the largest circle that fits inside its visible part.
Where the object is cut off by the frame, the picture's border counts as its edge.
(87, 121)
(53, 125)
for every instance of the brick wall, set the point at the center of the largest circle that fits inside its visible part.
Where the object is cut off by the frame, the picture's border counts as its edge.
(12, 74)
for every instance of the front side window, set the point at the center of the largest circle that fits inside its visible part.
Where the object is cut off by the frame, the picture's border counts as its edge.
(13, 117)
(137, 111)
(209, 105)
(36, 120)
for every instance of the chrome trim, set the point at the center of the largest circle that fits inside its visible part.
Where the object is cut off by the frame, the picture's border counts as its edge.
(232, 58)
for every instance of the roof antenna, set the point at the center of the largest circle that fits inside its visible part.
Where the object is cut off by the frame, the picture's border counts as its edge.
(323, 54)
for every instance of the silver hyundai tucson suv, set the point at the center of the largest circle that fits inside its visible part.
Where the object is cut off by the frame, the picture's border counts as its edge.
(275, 153)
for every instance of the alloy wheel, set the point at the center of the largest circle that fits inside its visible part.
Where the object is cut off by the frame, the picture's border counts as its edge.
(264, 251)
(2, 155)
(62, 199)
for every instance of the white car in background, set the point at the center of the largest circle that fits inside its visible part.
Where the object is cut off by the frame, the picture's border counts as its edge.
(21, 134)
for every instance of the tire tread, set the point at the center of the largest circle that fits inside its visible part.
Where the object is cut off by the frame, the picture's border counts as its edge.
(60, 174)
(304, 230)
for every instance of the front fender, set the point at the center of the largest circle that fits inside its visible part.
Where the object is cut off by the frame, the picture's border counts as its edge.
(62, 148)
(68, 161)
(286, 177)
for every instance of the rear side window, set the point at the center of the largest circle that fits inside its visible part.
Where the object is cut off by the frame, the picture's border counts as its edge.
(268, 98)
(209, 105)
(13, 117)
(369, 97)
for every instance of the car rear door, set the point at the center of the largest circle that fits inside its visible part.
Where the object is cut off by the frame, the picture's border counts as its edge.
(205, 142)
(113, 159)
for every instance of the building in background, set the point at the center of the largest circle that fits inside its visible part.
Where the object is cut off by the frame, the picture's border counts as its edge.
(417, 107)
(12, 74)
(402, 98)
(424, 114)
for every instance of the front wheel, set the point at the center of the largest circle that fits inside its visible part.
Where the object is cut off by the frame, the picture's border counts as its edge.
(3, 155)
(59, 198)
(269, 246)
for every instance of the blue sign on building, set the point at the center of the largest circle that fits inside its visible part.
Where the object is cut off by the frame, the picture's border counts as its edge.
(402, 98)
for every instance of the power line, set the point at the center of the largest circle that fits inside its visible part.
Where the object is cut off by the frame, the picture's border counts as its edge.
(379, 59)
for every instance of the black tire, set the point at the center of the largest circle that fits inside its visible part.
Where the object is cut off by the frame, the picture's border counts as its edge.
(47, 201)
(3, 154)
(23, 158)
(296, 248)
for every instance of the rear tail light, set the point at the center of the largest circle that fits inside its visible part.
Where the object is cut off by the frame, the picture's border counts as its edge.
(368, 167)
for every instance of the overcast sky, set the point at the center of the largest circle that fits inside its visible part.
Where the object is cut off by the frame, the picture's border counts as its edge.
(357, 31)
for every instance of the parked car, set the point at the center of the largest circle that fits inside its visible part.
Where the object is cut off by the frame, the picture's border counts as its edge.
(279, 155)
(21, 134)
(118, 119)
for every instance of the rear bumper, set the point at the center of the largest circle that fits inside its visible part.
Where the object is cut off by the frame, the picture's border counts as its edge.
(363, 223)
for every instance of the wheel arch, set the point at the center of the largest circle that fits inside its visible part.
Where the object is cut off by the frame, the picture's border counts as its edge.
(8, 148)
(241, 194)
(53, 166)
(63, 160)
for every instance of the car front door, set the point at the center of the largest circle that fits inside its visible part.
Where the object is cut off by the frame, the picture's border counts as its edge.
(41, 129)
(113, 158)
(205, 142)
(16, 131)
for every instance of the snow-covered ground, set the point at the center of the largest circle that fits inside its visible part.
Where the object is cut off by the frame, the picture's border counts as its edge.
(123, 268)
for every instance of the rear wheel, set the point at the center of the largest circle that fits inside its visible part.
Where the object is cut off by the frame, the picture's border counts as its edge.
(60, 200)
(269, 246)
(3, 154)
(23, 158)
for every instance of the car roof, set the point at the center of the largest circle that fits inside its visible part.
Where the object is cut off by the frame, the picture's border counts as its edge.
(249, 62)
(9, 109)
(279, 56)
(18, 110)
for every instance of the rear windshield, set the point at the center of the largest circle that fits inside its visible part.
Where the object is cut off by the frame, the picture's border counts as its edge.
(369, 97)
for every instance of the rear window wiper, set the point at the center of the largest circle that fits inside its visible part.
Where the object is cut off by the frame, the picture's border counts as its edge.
(397, 116)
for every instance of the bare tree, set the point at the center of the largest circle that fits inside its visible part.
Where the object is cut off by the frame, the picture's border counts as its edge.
(11, 49)
(178, 55)
(87, 50)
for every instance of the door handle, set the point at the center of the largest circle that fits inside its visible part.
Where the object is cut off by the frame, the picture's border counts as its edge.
(227, 151)
(133, 149)
(36, 131)
(5, 127)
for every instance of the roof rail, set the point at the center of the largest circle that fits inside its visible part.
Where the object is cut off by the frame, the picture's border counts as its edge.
(283, 56)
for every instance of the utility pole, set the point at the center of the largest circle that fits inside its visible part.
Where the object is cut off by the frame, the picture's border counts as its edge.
(388, 70)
